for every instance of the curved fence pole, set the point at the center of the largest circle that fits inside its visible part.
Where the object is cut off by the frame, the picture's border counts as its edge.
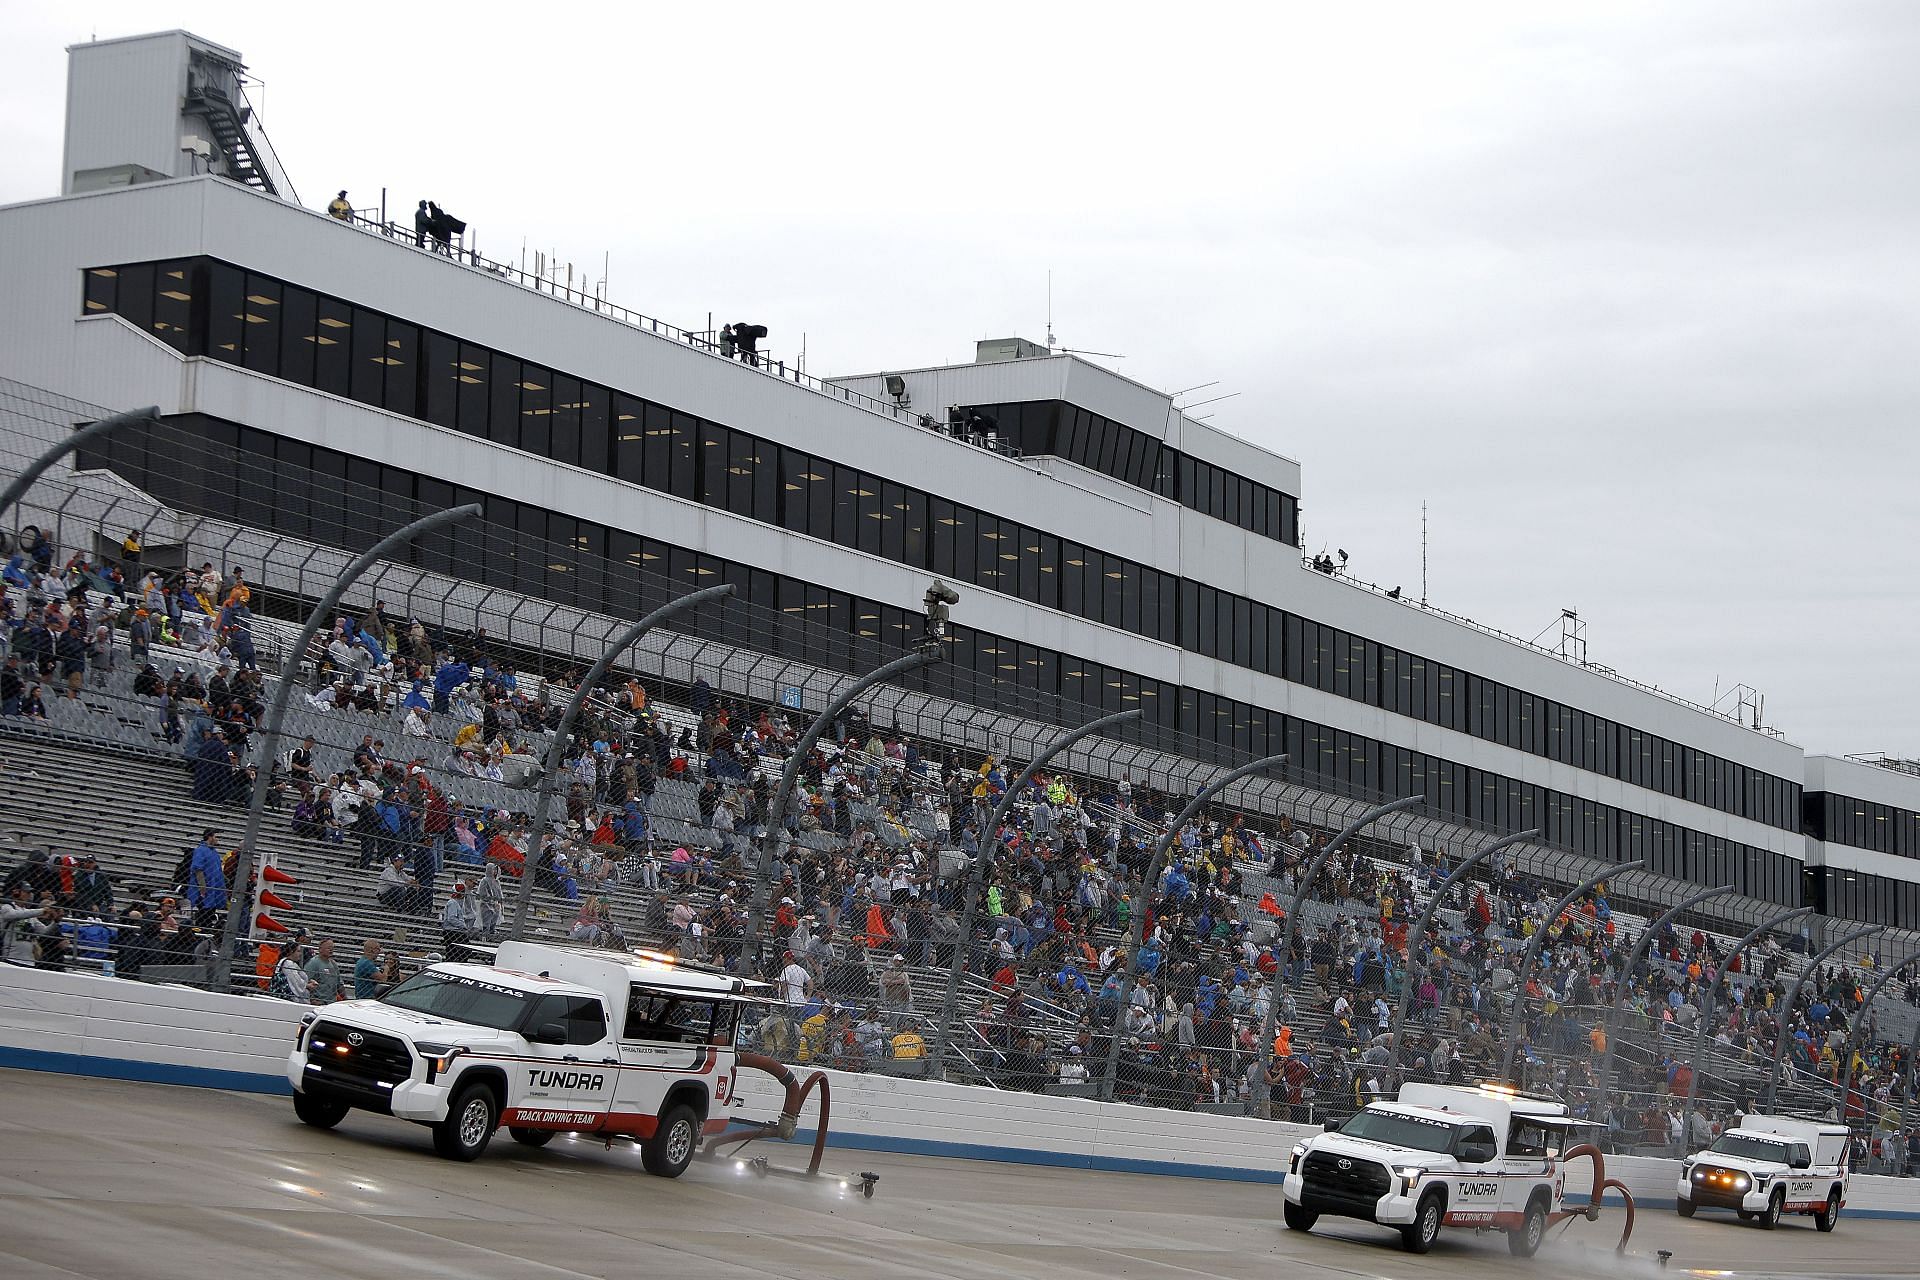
(67, 444)
(1708, 1001)
(1510, 1040)
(989, 846)
(1416, 937)
(1292, 922)
(240, 885)
(1859, 1021)
(1793, 994)
(1137, 921)
(776, 815)
(556, 749)
(1640, 948)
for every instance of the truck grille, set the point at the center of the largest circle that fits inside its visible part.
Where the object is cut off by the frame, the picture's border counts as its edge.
(369, 1068)
(1342, 1184)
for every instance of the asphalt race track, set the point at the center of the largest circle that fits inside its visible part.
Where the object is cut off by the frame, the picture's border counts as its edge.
(115, 1181)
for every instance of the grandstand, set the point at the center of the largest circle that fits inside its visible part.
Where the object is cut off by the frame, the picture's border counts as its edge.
(869, 814)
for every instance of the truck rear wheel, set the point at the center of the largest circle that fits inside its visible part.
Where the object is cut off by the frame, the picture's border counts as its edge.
(1297, 1216)
(318, 1110)
(1419, 1235)
(670, 1150)
(531, 1137)
(471, 1119)
(1826, 1219)
(1524, 1240)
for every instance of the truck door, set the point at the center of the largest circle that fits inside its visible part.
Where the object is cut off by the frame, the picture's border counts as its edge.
(665, 1038)
(568, 1085)
(1476, 1192)
(1526, 1165)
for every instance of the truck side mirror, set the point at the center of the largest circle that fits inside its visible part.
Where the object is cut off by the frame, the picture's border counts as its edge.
(1800, 1162)
(1478, 1152)
(1331, 1126)
(551, 1033)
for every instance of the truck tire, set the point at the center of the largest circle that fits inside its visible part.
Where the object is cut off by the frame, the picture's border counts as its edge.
(1297, 1216)
(670, 1150)
(1826, 1219)
(318, 1109)
(1685, 1207)
(531, 1137)
(471, 1119)
(1524, 1240)
(1769, 1217)
(1418, 1236)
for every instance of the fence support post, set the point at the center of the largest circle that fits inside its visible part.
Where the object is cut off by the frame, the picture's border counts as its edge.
(1626, 976)
(1510, 1040)
(277, 710)
(1137, 918)
(1793, 993)
(1708, 1000)
(776, 816)
(556, 749)
(989, 842)
(1416, 936)
(1292, 922)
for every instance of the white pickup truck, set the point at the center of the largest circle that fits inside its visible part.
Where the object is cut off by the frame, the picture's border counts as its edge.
(1440, 1155)
(1766, 1166)
(545, 1040)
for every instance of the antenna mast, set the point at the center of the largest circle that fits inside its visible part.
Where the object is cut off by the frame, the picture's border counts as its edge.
(1049, 308)
(1423, 553)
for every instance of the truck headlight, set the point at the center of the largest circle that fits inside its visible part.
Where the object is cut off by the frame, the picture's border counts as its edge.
(1410, 1174)
(438, 1057)
(1299, 1149)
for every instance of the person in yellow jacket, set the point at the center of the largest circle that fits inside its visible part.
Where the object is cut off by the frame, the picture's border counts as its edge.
(908, 1044)
(813, 1037)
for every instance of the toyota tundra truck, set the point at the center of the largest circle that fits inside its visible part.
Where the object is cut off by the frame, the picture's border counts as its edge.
(1767, 1166)
(544, 1040)
(1440, 1155)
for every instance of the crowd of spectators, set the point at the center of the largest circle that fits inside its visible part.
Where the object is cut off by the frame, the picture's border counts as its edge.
(865, 901)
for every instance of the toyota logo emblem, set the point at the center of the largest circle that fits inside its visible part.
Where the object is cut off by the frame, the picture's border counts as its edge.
(355, 1039)
(1345, 1164)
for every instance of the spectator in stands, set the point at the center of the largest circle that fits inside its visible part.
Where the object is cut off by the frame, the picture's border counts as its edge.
(92, 892)
(207, 878)
(398, 890)
(290, 980)
(323, 975)
(366, 971)
(17, 937)
(489, 896)
(457, 919)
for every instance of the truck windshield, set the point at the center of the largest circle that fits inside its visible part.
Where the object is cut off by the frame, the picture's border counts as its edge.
(460, 999)
(1749, 1148)
(1414, 1132)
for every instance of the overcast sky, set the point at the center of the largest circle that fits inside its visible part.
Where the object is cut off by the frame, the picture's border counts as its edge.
(1625, 292)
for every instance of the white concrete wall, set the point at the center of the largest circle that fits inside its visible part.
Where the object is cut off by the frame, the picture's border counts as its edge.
(86, 1024)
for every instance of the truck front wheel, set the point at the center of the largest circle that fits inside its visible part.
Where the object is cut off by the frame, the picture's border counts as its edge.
(1419, 1235)
(319, 1110)
(1685, 1207)
(1297, 1216)
(1769, 1217)
(471, 1119)
(670, 1150)
(1524, 1240)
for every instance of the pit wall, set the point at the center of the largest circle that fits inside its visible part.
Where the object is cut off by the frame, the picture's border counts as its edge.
(85, 1024)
